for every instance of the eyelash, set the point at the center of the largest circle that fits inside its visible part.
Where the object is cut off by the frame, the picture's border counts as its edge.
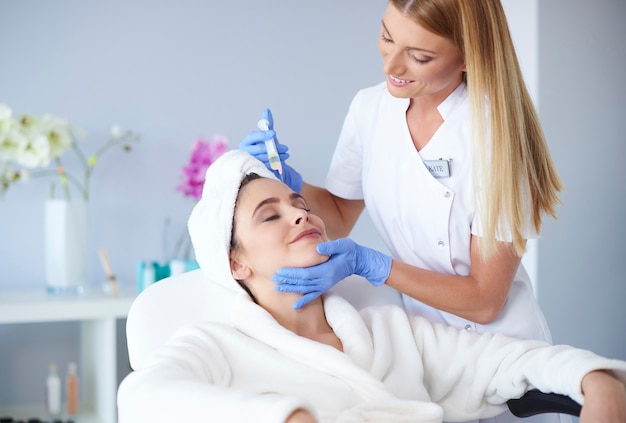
(389, 40)
(276, 216)
(421, 62)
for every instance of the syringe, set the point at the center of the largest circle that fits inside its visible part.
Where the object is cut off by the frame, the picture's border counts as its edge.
(270, 146)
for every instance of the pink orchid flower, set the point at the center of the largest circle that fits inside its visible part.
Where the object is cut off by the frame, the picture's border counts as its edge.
(203, 154)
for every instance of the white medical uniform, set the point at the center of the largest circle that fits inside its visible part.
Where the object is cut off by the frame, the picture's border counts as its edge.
(424, 220)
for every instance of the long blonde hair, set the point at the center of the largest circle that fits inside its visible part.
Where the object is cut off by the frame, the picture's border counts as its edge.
(509, 143)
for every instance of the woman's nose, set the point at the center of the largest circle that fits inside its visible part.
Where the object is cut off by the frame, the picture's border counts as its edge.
(301, 216)
(393, 63)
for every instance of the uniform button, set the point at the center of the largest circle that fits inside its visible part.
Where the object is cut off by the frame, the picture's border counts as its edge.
(447, 194)
(441, 243)
(468, 328)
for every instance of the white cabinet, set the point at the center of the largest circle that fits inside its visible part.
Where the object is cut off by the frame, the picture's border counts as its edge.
(97, 314)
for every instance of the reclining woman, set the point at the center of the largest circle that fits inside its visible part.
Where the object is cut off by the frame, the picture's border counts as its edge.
(328, 362)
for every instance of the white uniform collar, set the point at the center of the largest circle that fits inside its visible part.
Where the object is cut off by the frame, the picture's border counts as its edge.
(451, 102)
(447, 106)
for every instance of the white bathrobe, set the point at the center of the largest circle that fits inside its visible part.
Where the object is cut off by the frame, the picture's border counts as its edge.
(394, 368)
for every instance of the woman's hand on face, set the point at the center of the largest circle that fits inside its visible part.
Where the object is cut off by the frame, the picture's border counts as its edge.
(301, 416)
(605, 398)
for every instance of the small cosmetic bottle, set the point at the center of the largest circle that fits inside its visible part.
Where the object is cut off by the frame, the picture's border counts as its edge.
(53, 391)
(71, 389)
(146, 274)
(177, 267)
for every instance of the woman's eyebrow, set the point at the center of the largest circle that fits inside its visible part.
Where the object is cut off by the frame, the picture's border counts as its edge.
(385, 27)
(273, 200)
(296, 196)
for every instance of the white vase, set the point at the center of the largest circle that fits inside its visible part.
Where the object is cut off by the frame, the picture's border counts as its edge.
(66, 246)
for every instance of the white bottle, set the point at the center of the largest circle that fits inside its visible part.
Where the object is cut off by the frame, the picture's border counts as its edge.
(149, 274)
(53, 391)
(177, 267)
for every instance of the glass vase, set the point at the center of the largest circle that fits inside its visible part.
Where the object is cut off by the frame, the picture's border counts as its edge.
(66, 246)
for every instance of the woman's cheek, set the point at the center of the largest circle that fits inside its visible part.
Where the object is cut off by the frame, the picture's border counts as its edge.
(322, 258)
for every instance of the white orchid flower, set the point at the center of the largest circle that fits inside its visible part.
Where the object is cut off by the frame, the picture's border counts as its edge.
(58, 133)
(13, 144)
(32, 142)
(5, 120)
(37, 152)
(29, 122)
(117, 132)
(5, 112)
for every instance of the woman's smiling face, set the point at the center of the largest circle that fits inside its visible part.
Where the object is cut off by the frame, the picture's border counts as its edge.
(273, 228)
(416, 61)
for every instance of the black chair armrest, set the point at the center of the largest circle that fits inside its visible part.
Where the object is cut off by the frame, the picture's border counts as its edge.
(537, 402)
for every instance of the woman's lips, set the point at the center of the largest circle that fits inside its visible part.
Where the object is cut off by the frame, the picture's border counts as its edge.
(398, 82)
(305, 234)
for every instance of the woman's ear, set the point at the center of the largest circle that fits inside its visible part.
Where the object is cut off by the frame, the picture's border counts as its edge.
(239, 270)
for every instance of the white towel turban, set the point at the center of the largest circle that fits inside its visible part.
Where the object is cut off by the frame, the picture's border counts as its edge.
(211, 220)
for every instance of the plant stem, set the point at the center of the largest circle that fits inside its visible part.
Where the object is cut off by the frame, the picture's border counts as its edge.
(76, 182)
(66, 189)
(87, 171)
(106, 146)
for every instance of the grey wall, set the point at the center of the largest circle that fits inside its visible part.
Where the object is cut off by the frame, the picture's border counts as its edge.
(582, 102)
(175, 71)
(180, 70)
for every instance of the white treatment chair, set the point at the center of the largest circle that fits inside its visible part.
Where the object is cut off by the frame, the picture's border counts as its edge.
(181, 300)
(187, 298)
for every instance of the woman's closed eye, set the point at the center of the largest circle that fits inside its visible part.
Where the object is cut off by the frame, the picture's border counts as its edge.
(384, 35)
(414, 55)
(275, 215)
(420, 60)
(301, 204)
(271, 217)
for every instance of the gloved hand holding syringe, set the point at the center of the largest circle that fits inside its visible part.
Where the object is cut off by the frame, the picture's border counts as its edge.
(264, 145)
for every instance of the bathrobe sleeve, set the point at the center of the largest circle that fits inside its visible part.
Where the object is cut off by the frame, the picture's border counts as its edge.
(187, 380)
(472, 375)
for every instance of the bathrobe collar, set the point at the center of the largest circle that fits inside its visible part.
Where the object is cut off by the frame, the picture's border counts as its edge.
(353, 365)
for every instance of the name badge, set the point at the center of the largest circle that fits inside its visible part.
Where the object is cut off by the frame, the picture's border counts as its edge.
(438, 168)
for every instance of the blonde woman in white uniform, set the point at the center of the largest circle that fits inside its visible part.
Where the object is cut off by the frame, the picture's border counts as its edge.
(466, 180)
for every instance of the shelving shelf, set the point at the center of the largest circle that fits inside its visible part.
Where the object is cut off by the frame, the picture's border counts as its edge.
(97, 314)
(25, 412)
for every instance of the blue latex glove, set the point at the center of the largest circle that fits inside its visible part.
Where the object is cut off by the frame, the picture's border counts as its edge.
(346, 258)
(254, 144)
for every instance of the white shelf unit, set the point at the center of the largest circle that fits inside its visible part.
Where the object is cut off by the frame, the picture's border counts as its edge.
(97, 314)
